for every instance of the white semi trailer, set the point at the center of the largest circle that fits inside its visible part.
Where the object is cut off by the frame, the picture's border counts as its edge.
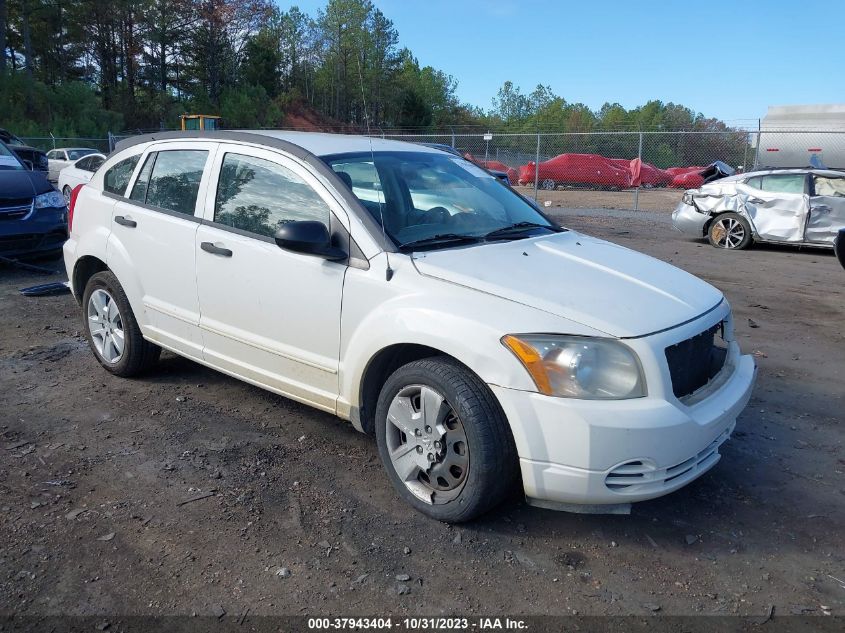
(802, 136)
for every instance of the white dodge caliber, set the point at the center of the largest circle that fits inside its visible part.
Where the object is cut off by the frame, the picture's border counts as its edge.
(408, 291)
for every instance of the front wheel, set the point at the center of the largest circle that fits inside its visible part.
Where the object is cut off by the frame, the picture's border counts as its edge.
(548, 184)
(66, 193)
(444, 440)
(731, 231)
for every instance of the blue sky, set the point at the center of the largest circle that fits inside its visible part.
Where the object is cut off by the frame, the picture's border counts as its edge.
(729, 60)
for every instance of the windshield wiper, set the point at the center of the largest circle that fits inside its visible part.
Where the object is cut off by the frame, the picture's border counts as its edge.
(519, 227)
(441, 239)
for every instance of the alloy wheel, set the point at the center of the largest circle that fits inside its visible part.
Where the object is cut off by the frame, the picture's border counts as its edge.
(548, 184)
(66, 194)
(728, 233)
(427, 444)
(106, 326)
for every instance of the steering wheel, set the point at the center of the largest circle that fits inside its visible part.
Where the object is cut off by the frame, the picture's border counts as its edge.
(436, 215)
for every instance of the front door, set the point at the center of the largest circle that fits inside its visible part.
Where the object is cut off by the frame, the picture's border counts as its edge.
(268, 315)
(154, 228)
(827, 208)
(777, 205)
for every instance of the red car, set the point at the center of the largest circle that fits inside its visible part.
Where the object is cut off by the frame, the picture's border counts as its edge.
(577, 169)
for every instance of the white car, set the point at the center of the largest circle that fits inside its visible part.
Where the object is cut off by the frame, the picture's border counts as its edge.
(481, 348)
(58, 159)
(79, 172)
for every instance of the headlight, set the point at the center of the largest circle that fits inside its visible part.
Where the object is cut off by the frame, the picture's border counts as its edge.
(49, 199)
(579, 367)
(687, 198)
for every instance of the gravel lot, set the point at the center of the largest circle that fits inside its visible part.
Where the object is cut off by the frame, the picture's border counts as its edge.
(190, 492)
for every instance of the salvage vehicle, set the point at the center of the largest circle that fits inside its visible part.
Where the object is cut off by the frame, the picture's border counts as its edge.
(58, 159)
(33, 215)
(32, 157)
(403, 289)
(577, 170)
(79, 172)
(787, 206)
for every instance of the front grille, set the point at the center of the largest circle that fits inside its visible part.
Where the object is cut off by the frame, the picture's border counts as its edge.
(15, 209)
(638, 477)
(695, 361)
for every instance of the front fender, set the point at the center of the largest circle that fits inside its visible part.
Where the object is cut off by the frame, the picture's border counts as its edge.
(460, 322)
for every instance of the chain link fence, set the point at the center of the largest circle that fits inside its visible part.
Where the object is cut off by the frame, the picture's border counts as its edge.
(600, 170)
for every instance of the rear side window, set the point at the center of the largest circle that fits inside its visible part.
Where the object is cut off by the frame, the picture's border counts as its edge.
(117, 177)
(174, 179)
(258, 196)
(784, 183)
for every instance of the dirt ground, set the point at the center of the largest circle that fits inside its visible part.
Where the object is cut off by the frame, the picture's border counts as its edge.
(190, 492)
(649, 199)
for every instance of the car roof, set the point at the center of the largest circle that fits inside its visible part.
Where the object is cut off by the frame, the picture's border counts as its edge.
(317, 143)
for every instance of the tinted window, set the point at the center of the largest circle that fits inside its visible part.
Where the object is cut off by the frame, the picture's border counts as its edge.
(258, 196)
(139, 189)
(175, 180)
(784, 183)
(117, 177)
(96, 163)
(83, 164)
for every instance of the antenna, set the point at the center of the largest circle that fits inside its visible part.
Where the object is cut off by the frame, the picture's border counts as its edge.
(388, 273)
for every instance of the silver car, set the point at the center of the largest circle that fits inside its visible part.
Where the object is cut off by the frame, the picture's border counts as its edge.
(786, 206)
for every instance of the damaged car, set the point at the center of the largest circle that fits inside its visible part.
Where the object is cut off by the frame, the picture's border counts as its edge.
(783, 206)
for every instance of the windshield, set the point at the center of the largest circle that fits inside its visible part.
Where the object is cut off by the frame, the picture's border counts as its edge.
(8, 160)
(74, 154)
(424, 196)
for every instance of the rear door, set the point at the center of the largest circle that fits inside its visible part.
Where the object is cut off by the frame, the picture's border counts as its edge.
(153, 233)
(268, 315)
(827, 208)
(777, 205)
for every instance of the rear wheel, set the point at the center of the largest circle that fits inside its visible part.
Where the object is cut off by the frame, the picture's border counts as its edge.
(66, 193)
(444, 440)
(548, 184)
(111, 329)
(731, 231)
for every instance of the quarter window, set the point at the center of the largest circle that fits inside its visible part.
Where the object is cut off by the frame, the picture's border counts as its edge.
(117, 177)
(139, 189)
(258, 196)
(175, 180)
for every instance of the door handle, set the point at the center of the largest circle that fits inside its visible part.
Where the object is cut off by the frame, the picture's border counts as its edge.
(125, 221)
(208, 247)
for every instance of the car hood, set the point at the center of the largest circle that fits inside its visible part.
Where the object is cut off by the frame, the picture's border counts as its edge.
(17, 184)
(595, 283)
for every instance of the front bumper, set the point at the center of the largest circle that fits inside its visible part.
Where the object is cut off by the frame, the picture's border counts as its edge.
(688, 221)
(603, 453)
(42, 231)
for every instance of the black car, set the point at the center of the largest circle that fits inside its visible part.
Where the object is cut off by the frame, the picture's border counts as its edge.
(33, 215)
(34, 158)
(839, 246)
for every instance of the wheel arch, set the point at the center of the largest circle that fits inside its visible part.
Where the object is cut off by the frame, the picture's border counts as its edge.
(85, 268)
(378, 369)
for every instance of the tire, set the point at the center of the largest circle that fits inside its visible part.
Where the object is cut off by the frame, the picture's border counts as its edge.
(103, 328)
(476, 440)
(66, 191)
(548, 184)
(730, 231)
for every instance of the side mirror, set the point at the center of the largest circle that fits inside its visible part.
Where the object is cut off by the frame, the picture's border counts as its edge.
(839, 247)
(309, 238)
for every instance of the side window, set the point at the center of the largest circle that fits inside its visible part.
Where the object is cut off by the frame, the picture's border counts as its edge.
(258, 196)
(754, 182)
(84, 164)
(825, 186)
(117, 177)
(175, 179)
(96, 163)
(784, 183)
(51, 155)
(139, 189)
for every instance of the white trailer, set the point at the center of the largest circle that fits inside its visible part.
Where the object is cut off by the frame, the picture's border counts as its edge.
(802, 136)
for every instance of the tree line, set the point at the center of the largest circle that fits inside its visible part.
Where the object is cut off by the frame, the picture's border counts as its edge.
(84, 67)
